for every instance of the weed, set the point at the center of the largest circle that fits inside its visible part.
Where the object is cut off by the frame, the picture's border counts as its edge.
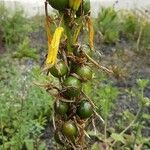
(24, 50)
(108, 25)
(14, 26)
(24, 108)
(123, 140)
(130, 25)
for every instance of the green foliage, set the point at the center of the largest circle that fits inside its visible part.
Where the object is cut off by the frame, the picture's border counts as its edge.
(130, 24)
(106, 95)
(24, 50)
(133, 25)
(3, 13)
(14, 26)
(131, 125)
(95, 146)
(24, 108)
(146, 36)
(142, 83)
(118, 137)
(107, 23)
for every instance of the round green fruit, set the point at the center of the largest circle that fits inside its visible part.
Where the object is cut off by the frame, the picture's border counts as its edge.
(84, 110)
(59, 70)
(61, 108)
(69, 129)
(59, 4)
(84, 72)
(86, 8)
(84, 50)
(72, 87)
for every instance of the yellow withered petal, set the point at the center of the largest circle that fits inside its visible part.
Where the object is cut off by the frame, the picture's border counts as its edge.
(53, 47)
(91, 32)
(47, 26)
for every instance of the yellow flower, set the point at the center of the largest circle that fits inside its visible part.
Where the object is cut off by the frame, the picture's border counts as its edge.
(53, 47)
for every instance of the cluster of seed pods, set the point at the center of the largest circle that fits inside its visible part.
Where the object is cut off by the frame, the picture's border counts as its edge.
(72, 108)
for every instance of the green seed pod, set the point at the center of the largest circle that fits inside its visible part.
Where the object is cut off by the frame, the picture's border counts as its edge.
(84, 50)
(84, 110)
(61, 108)
(72, 87)
(84, 72)
(59, 70)
(69, 130)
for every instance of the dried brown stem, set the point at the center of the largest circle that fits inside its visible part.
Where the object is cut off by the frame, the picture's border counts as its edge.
(46, 10)
(87, 134)
(48, 86)
(92, 103)
(99, 116)
(53, 119)
(99, 66)
(94, 127)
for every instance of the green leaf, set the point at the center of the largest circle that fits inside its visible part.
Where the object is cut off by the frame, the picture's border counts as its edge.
(118, 137)
(142, 83)
(29, 144)
(42, 146)
(105, 98)
(146, 101)
(24, 50)
(97, 135)
(87, 88)
(95, 146)
(146, 116)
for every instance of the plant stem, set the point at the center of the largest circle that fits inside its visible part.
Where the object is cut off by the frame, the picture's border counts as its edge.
(140, 117)
(98, 65)
(105, 130)
(134, 142)
(139, 38)
(46, 10)
(131, 124)
(68, 33)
